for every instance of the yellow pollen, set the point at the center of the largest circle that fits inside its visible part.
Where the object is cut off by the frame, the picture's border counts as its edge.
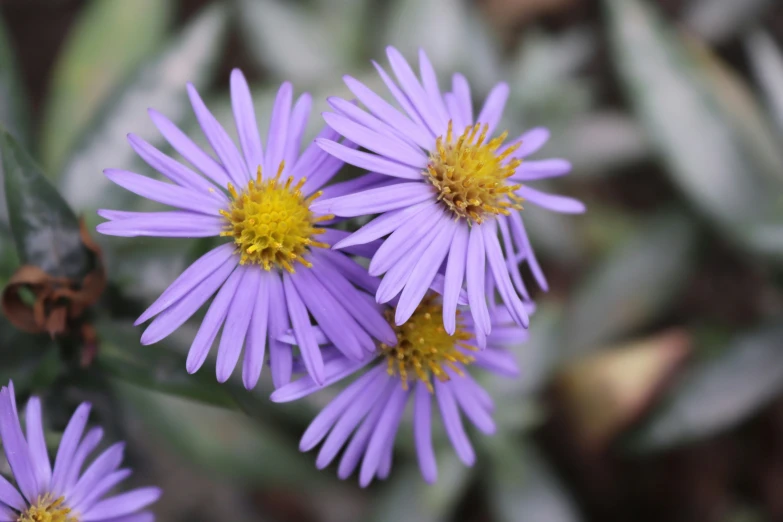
(271, 222)
(470, 175)
(424, 348)
(47, 509)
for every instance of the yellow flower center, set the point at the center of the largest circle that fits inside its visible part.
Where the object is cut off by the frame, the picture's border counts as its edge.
(47, 509)
(424, 347)
(271, 222)
(470, 175)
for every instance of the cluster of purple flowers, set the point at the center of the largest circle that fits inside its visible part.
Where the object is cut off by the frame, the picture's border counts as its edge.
(411, 303)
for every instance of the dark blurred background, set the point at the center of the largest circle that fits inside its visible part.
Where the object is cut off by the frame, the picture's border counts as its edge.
(652, 386)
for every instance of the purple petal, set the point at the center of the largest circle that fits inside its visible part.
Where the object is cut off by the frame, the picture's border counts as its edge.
(454, 111)
(356, 448)
(214, 318)
(325, 170)
(351, 186)
(103, 486)
(474, 275)
(430, 83)
(553, 202)
(520, 237)
(166, 193)
(531, 170)
(493, 107)
(461, 89)
(472, 407)
(500, 274)
(303, 330)
(106, 463)
(412, 88)
(375, 201)
(255, 344)
(237, 322)
(174, 170)
(189, 150)
(334, 371)
(39, 457)
(455, 274)
(278, 129)
(388, 114)
(367, 161)
(280, 356)
(501, 362)
(123, 504)
(531, 141)
(349, 268)
(175, 223)
(422, 432)
(308, 163)
(387, 455)
(87, 446)
(386, 144)
(296, 128)
(385, 429)
(245, 120)
(197, 272)
(406, 237)
(68, 444)
(15, 446)
(421, 277)
(403, 100)
(451, 420)
(219, 139)
(511, 260)
(10, 496)
(324, 421)
(384, 224)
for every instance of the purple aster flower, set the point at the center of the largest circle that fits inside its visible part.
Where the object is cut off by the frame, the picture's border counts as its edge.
(277, 268)
(70, 492)
(452, 188)
(425, 362)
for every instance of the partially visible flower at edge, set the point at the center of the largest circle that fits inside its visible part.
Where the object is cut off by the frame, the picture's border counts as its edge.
(278, 267)
(66, 493)
(450, 187)
(426, 361)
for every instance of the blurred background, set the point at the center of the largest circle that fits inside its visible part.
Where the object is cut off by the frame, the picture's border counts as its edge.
(652, 387)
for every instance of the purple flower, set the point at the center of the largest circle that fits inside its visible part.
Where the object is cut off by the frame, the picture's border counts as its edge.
(425, 362)
(450, 188)
(70, 492)
(277, 269)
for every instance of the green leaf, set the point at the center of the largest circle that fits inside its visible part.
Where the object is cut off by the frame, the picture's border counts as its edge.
(23, 355)
(720, 20)
(224, 442)
(14, 108)
(45, 229)
(717, 393)
(160, 83)
(295, 43)
(106, 43)
(633, 285)
(767, 62)
(521, 486)
(701, 118)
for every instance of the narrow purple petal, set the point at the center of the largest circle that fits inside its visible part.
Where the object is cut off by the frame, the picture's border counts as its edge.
(552, 202)
(422, 432)
(303, 331)
(255, 344)
(106, 463)
(421, 277)
(192, 276)
(39, 457)
(501, 362)
(123, 504)
(335, 370)
(472, 407)
(278, 129)
(455, 112)
(493, 107)
(384, 144)
(175, 223)
(474, 275)
(367, 161)
(387, 455)
(451, 420)
(403, 100)
(406, 237)
(356, 448)
(10, 496)
(189, 150)
(296, 128)
(531, 170)
(280, 356)
(87, 446)
(500, 274)
(375, 201)
(511, 257)
(461, 89)
(455, 274)
(384, 224)
(219, 139)
(237, 322)
(68, 444)
(326, 168)
(531, 141)
(166, 193)
(351, 186)
(388, 114)
(214, 318)
(412, 88)
(353, 272)
(430, 83)
(103, 486)
(523, 242)
(245, 120)
(307, 165)
(385, 429)
(15, 446)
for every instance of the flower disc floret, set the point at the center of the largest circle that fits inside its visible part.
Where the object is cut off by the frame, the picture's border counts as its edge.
(48, 509)
(271, 222)
(470, 175)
